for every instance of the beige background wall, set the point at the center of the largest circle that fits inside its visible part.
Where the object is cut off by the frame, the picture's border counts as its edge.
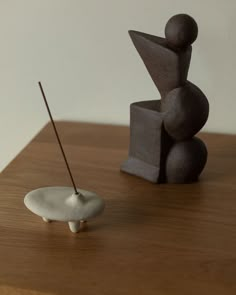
(90, 70)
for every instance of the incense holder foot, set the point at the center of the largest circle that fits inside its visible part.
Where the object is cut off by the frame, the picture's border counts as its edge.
(74, 226)
(46, 220)
(62, 204)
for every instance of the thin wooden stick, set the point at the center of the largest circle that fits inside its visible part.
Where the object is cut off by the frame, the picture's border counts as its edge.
(58, 138)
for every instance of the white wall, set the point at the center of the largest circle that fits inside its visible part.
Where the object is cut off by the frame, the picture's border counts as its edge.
(81, 52)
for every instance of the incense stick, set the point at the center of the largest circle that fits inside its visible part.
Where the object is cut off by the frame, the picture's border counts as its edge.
(58, 138)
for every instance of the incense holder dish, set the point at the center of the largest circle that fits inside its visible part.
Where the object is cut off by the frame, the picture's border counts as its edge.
(163, 147)
(62, 204)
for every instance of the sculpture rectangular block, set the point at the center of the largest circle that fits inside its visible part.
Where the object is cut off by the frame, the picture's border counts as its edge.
(148, 141)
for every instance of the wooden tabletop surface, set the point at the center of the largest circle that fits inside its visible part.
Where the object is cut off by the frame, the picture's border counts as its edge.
(151, 239)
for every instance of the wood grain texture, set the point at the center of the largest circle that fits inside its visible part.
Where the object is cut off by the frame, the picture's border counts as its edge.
(151, 239)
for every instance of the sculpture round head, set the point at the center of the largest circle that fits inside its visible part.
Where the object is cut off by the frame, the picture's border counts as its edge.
(181, 31)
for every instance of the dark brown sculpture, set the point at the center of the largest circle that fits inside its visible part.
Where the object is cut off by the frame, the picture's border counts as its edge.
(162, 147)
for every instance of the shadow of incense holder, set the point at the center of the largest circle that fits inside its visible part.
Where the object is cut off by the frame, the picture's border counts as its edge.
(162, 143)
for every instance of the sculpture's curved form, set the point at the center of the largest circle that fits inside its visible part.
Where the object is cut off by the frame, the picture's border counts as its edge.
(186, 111)
(161, 144)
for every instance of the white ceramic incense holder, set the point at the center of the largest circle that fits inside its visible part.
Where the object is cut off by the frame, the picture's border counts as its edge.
(68, 204)
(62, 204)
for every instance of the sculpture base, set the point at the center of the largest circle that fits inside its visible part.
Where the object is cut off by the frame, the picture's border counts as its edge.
(154, 155)
(141, 169)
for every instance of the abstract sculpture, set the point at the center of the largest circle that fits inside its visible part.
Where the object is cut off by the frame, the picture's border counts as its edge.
(162, 143)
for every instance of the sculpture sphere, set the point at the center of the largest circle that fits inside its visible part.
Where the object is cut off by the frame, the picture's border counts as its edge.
(181, 31)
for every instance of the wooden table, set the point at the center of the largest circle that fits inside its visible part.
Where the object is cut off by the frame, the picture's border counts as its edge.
(151, 239)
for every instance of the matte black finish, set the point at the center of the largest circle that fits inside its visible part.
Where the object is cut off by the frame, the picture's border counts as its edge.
(186, 111)
(186, 161)
(167, 68)
(161, 144)
(149, 142)
(181, 31)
